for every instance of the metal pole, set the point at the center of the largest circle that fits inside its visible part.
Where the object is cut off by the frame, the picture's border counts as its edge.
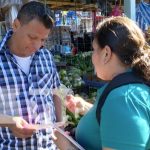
(130, 9)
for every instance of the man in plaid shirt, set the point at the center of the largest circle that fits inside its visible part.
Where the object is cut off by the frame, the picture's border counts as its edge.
(27, 77)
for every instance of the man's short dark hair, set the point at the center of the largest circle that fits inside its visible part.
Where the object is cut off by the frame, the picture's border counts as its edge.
(36, 10)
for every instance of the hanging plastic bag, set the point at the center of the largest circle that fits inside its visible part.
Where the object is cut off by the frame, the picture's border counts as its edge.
(12, 9)
(8, 3)
(12, 13)
(62, 92)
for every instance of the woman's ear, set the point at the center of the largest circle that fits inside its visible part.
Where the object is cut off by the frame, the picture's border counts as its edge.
(16, 25)
(107, 54)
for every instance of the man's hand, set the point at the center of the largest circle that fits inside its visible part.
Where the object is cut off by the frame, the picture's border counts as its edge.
(20, 128)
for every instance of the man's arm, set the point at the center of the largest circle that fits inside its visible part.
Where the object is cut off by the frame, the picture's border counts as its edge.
(58, 108)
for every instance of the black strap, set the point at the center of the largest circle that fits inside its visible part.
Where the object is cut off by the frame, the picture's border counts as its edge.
(120, 80)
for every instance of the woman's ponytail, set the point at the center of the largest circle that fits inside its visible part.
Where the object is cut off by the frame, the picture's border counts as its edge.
(141, 65)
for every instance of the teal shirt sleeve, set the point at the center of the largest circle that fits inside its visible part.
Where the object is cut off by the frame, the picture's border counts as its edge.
(125, 118)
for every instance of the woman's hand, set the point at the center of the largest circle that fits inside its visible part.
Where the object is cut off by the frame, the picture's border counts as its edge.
(74, 104)
(77, 104)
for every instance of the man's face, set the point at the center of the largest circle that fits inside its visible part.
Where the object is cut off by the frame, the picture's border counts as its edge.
(29, 37)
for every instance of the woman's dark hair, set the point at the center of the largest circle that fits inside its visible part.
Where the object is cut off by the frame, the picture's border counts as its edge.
(36, 10)
(127, 41)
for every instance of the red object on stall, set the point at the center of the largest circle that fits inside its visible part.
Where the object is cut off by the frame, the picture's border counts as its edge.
(116, 11)
(74, 50)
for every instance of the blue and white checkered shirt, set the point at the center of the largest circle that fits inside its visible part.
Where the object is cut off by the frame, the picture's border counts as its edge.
(28, 96)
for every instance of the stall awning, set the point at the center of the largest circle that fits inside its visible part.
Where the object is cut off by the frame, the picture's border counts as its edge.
(67, 5)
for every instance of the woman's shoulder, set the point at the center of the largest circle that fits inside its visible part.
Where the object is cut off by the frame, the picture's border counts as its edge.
(127, 89)
(132, 88)
(137, 93)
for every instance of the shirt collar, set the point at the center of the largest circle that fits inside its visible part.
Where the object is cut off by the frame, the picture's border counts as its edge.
(3, 44)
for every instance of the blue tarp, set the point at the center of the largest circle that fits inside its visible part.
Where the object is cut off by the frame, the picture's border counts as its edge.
(143, 15)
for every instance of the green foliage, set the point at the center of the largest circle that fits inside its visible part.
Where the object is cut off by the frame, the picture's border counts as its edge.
(82, 61)
(73, 119)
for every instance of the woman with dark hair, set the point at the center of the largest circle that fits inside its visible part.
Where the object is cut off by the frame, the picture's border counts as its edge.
(119, 48)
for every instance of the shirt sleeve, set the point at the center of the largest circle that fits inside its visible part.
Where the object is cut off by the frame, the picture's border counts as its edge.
(124, 121)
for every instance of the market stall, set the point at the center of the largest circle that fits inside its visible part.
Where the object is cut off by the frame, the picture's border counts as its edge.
(71, 38)
(80, 18)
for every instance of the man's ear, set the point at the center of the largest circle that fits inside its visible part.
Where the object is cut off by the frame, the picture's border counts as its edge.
(107, 54)
(16, 25)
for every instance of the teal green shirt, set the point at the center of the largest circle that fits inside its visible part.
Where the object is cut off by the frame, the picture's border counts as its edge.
(125, 120)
